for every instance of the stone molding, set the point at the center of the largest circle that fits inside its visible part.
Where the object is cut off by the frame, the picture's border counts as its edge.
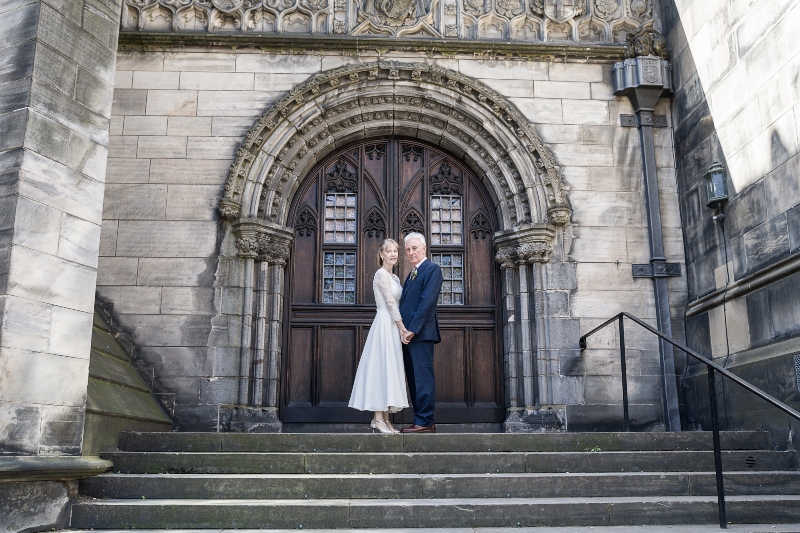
(753, 282)
(587, 22)
(369, 45)
(524, 246)
(49, 468)
(415, 99)
(262, 240)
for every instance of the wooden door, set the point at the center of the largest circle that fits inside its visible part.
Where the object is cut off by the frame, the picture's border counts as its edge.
(354, 199)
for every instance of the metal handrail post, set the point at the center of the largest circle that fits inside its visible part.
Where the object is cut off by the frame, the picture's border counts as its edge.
(712, 393)
(626, 415)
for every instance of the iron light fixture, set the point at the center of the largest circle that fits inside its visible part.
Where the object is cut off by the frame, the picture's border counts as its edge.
(716, 186)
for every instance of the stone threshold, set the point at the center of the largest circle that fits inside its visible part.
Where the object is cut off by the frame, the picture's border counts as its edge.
(736, 528)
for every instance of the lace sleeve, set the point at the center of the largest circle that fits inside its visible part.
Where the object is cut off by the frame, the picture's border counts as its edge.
(384, 283)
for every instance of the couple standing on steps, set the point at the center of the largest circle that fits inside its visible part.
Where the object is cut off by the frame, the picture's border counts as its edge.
(400, 342)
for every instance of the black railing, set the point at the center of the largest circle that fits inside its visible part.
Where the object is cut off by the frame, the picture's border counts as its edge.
(712, 391)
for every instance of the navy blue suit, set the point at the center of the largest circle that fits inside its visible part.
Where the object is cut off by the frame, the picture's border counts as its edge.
(418, 310)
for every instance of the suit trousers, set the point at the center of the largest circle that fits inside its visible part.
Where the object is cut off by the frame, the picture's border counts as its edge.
(418, 361)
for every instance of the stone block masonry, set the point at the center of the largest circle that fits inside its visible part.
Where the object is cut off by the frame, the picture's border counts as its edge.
(56, 89)
(170, 268)
(738, 101)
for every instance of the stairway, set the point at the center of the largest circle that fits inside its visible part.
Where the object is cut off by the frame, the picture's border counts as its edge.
(335, 481)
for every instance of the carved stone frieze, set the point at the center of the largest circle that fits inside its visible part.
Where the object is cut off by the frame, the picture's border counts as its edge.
(511, 20)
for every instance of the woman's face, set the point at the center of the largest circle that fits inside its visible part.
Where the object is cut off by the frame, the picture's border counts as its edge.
(390, 255)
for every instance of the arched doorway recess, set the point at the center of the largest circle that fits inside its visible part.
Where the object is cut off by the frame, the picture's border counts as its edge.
(443, 108)
(350, 202)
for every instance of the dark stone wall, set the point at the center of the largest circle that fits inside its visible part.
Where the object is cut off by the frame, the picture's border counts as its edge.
(762, 231)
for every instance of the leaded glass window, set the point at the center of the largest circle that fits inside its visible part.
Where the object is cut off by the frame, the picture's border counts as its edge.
(339, 277)
(453, 278)
(446, 224)
(340, 217)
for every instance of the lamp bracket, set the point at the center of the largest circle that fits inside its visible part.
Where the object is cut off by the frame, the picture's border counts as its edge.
(657, 270)
(643, 119)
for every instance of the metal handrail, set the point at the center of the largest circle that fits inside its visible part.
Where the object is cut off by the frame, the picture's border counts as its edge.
(712, 392)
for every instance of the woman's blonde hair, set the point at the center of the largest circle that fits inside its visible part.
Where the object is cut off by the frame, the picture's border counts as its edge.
(385, 246)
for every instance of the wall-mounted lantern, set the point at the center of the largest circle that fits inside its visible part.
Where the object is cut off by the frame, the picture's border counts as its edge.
(716, 186)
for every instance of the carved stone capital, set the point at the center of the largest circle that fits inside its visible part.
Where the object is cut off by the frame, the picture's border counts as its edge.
(247, 239)
(534, 252)
(506, 256)
(229, 209)
(531, 243)
(263, 240)
(558, 215)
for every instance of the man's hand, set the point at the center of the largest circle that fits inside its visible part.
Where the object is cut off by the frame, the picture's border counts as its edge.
(407, 336)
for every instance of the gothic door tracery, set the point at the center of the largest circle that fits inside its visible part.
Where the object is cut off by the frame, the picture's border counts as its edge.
(344, 209)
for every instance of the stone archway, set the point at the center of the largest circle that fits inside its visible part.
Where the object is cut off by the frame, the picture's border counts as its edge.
(415, 100)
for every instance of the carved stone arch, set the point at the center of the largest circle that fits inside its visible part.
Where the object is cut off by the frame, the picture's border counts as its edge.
(427, 102)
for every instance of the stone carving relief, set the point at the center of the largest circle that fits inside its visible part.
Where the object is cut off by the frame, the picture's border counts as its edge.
(340, 107)
(647, 42)
(596, 21)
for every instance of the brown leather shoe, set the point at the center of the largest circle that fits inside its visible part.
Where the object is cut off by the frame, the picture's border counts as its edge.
(413, 428)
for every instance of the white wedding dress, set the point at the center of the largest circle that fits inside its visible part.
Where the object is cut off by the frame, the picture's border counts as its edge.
(380, 383)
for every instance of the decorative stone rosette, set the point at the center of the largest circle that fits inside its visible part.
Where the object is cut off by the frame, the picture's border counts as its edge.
(579, 21)
(287, 138)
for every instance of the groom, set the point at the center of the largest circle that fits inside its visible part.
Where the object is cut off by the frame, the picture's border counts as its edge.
(418, 310)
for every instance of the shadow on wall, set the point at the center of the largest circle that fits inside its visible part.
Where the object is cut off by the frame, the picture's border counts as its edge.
(756, 335)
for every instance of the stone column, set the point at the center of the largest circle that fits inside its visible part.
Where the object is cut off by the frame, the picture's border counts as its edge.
(56, 90)
(521, 253)
(275, 254)
(263, 248)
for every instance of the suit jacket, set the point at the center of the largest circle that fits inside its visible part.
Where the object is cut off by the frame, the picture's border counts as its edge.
(418, 302)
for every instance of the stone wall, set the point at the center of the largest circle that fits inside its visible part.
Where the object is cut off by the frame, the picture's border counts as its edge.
(169, 265)
(738, 101)
(56, 81)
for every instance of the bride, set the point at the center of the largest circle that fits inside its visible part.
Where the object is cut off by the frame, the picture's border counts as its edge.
(380, 383)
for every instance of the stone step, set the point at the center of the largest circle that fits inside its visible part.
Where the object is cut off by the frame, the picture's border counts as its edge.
(440, 513)
(441, 442)
(693, 528)
(444, 463)
(438, 486)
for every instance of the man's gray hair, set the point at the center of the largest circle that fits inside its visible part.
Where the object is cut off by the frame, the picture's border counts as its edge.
(415, 235)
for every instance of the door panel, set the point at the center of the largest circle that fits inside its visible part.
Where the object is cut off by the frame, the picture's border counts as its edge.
(354, 199)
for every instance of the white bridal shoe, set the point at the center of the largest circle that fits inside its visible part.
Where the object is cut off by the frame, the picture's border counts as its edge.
(383, 427)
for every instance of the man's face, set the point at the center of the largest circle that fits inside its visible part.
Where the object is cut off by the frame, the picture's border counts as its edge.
(415, 251)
